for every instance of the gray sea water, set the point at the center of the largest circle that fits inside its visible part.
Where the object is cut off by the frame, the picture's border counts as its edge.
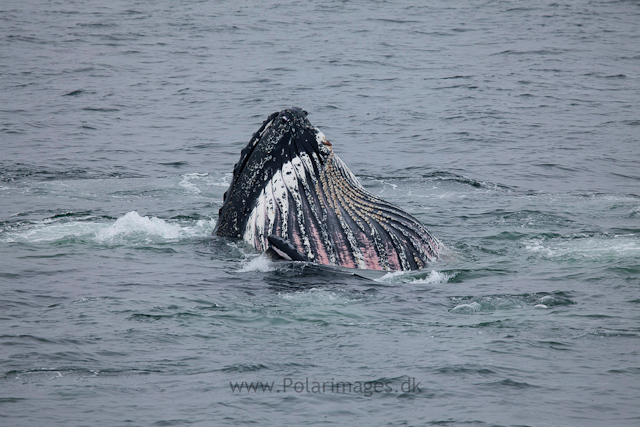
(511, 129)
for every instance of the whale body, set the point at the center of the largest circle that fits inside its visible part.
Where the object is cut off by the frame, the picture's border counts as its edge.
(292, 197)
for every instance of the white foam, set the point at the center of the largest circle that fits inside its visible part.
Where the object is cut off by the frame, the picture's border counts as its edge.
(470, 308)
(187, 183)
(131, 229)
(47, 232)
(261, 263)
(194, 182)
(315, 297)
(434, 277)
(537, 247)
(592, 248)
(132, 225)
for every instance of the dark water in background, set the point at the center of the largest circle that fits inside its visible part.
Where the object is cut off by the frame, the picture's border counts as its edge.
(511, 129)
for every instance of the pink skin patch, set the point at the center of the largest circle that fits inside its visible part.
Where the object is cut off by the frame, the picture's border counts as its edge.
(343, 251)
(322, 257)
(297, 240)
(366, 245)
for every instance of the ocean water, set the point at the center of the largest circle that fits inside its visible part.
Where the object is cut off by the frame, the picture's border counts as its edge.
(510, 129)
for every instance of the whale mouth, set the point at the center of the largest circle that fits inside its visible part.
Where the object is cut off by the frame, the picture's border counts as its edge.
(292, 196)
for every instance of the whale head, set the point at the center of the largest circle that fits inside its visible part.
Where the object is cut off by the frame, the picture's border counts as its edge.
(284, 137)
(291, 195)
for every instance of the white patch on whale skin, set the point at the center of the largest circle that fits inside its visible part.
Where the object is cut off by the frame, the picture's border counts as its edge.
(300, 177)
(291, 182)
(261, 219)
(249, 229)
(320, 138)
(270, 207)
(275, 194)
(253, 229)
(279, 192)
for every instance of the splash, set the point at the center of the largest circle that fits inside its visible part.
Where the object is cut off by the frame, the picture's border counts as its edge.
(260, 263)
(135, 228)
(430, 278)
(131, 229)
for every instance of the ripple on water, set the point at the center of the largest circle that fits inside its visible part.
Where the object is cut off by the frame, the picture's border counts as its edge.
(491, 303)
(597, 248)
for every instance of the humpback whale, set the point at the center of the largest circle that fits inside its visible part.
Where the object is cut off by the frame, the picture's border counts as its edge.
(292, 197)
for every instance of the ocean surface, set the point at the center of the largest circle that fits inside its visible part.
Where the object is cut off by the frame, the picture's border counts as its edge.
(511, 129)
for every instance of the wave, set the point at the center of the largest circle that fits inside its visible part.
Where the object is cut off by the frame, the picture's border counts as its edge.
(195, 182)
(417, 277)
(133, 228)
(491, 303)
(442, 177)
(322, 297)
(261, 263)
(592, 248)
(130, 230)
